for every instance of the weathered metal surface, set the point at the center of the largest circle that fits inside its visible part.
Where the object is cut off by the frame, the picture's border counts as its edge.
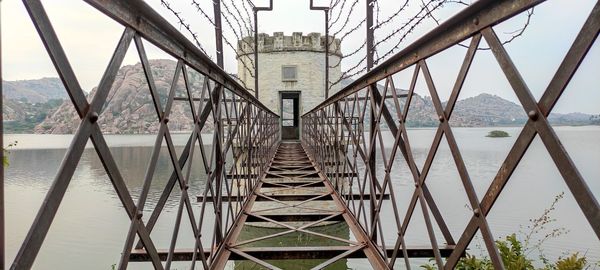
(291, 253)
(326, 23)
(230, 106)
(300, 197)
(255, 11)
(336, 128)
(299, 178)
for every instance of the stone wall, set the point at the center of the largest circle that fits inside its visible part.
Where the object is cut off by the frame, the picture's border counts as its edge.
(304, 52)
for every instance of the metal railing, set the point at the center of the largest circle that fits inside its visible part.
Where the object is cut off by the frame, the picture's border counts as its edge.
(342, 150)
(244, 130)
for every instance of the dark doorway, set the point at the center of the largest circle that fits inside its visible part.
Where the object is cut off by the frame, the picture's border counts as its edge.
(290, 115)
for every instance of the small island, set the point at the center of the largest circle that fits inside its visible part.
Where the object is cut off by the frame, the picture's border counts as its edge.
(497, 134)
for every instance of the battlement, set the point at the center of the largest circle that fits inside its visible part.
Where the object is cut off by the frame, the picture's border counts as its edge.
(313, 42)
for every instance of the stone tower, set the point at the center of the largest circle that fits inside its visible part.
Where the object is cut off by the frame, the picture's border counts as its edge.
(291, 72)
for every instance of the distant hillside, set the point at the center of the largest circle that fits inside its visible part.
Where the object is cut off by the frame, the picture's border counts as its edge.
(483, 110)
(487, 110)
(27, 102)
(129, 107)
(34, 91)
(22, 117)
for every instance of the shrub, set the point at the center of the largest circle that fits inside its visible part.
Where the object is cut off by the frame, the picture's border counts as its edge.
(573, 262)
(514, 252)
(497, 134)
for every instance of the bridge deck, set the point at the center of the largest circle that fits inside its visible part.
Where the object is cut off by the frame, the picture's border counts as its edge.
(294, 213)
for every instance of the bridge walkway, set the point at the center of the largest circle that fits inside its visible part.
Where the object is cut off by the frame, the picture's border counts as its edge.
(299, 216)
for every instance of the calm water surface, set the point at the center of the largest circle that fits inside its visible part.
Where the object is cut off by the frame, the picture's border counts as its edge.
(91, 224)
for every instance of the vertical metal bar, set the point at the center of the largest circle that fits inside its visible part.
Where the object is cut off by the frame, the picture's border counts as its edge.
(373, 88)
(372, 166)
(218, 32)
(327, 53)
(256, 9)
(256, 53)
(249, 146)
(219, 160)
(337, 147)
(370, 34)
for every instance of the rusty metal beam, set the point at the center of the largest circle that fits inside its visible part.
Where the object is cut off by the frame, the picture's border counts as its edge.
(290, 253)
(298, 197)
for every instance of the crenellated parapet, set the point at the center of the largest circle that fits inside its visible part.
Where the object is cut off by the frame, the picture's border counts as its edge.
(278, 42)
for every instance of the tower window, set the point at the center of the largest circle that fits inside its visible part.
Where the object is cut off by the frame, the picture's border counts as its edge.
(289, 73)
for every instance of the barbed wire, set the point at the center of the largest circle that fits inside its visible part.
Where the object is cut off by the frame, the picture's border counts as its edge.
(227, 42)
(248, 17)
(243, 25)
(346, 34)
(184, 25)
(332, 5)
(334, 21)
(237, 22)
(187, 26)
(246, 23)
(427, 11)
(347, 18)
(242, 58)
(351, 30)
(412, 23)
(350, 54)
(346, 75)
(514, 34)
(394, 15)
(408, 23)
(238, 36)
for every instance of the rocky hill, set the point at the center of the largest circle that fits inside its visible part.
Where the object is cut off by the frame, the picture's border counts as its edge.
(487, 110)
(129, 107)
(483, 110)
(27, 102)
(34, 91)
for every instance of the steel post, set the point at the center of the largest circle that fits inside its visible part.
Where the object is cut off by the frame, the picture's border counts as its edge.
(372, 153)
(218, 32)
(255, 53)
(327, 53)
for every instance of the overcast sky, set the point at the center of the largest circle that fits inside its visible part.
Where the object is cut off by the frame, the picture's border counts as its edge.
(89, 39)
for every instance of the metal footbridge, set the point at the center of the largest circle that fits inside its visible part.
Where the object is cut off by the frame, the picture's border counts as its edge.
(329, 177)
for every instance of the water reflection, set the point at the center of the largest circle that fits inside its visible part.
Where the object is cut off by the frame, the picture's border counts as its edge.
(91, 219)
(339, 229)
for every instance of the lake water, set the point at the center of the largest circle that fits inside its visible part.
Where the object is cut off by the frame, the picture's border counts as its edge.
(91, 224)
